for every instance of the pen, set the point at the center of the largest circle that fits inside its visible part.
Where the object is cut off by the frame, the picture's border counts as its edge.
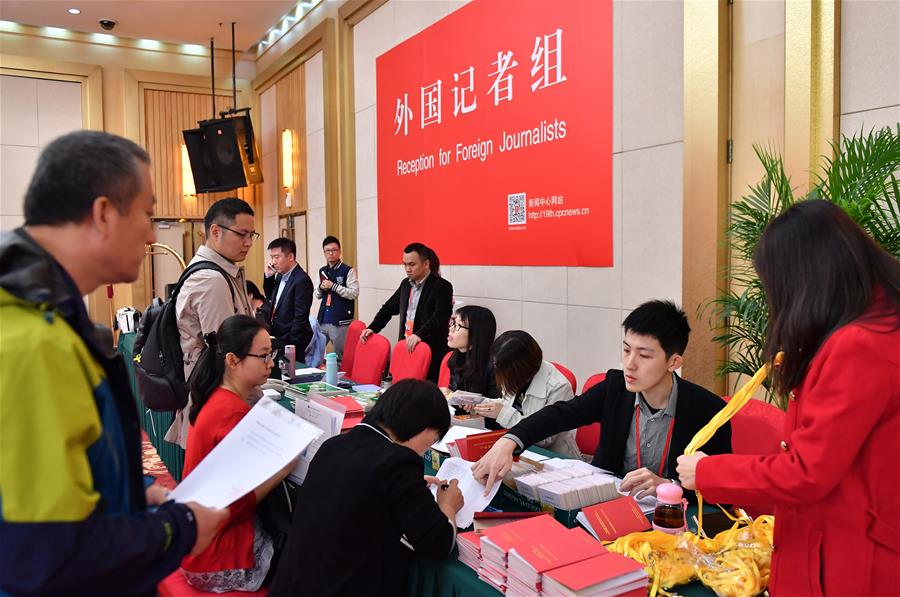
(445, 485)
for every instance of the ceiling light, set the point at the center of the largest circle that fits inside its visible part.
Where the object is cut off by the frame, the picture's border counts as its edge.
(74, 11)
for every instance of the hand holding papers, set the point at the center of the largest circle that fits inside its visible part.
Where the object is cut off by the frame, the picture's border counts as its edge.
(473, 491)
(262, 444)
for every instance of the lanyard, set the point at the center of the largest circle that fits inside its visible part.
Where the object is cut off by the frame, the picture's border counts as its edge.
(376, 431)
(637, 440)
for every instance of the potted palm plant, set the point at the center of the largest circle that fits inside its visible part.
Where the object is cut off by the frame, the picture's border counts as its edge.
(862, 178)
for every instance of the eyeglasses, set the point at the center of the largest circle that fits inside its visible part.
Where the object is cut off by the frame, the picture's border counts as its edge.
(268, 357)
(252, 236)
(331, 250)
(455, 325)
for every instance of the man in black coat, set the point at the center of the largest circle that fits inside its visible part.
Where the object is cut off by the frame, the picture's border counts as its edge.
(647, 413)
(290, 293)
(424, 302)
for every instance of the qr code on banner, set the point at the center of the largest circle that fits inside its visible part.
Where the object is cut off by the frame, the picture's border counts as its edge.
(515, 209)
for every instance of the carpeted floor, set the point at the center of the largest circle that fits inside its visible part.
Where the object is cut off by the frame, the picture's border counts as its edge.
(153, 464)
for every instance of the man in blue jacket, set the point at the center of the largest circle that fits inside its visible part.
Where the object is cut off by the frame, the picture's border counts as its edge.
(74, 516)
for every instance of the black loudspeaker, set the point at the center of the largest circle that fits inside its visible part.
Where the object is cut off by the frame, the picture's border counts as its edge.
(223, 154)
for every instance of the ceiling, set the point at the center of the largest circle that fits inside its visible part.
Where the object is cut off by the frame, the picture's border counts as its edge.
(188, 22)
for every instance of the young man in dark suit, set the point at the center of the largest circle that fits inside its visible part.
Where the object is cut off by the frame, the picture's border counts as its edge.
(290, 292)
(424, 302)
(647, 414)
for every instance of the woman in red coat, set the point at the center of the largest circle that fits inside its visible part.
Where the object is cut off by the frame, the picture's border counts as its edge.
(834, 309)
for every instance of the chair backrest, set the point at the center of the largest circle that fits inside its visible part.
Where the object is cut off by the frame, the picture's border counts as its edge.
(370, 360)
(444, 372)
(588, 436)
(569, 375)
(756, 428)
(351, 341)
(592, 381)
(410, 365)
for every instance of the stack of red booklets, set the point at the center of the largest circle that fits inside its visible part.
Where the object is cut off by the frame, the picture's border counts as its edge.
(469, 545)
(538, 553)
(497, 541)
(610, 520)
(605, 575)
(354, 413)
(473, 447)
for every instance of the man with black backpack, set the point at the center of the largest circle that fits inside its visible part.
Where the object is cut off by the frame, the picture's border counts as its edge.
(73, 514)
(210, 295)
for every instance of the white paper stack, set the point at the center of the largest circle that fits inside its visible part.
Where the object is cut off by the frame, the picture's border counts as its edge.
(493, 565)
(569, 487)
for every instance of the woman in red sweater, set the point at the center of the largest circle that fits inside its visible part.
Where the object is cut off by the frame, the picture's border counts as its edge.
(834, 309)
(237, 359)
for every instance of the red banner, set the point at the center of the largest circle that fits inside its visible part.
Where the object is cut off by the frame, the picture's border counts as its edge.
(495, 136)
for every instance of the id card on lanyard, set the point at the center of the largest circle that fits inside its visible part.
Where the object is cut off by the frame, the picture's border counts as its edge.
(408, 328)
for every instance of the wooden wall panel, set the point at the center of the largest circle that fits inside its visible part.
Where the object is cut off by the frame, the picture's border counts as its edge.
(290, 113)
(166, 114)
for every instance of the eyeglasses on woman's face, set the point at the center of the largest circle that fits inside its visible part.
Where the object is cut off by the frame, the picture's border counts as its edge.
(268, 357)
(456, 325)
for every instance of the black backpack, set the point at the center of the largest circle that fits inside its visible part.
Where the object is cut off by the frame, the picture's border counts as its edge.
(159, 361)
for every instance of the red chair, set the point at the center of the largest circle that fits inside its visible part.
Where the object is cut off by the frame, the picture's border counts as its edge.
(757, 429)
(569, 375)
(444, 372)
(410, 365)
(350, 342)
(174, 585)
(370, 360)
(588, 436)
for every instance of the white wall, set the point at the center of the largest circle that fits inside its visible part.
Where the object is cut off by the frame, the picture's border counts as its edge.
(33, 112)
(870, 64)
(574, 313)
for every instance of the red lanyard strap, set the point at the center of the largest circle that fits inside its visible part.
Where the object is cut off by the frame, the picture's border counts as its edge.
(637, 440)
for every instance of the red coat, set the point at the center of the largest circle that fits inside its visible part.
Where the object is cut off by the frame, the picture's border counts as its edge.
(836, 485)
(232, 547)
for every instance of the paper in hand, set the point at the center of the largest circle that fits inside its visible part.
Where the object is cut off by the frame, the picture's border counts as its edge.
(265, 440)
(472, 490)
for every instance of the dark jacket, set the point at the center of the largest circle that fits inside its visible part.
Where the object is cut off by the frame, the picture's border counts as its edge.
(611, 405)
(73, 517)
(290, 321)
(361, 495)
(432, 316)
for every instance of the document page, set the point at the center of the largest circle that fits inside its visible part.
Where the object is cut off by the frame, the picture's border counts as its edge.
(325, 414)
(265, 440)
(472, 490)
(454, 433)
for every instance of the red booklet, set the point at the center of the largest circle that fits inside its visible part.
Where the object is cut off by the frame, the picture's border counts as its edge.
(354, 413)
(473, 447)
(508, 535)
(616, 518)
(600, 573)
(537, 554)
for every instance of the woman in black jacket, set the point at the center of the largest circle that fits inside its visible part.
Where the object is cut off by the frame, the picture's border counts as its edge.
(364, 492)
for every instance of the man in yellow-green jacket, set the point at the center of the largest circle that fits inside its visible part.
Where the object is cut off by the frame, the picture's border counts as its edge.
(74, 516)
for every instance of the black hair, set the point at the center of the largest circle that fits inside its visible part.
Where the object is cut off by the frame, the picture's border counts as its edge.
(820, 271)
(517, 358)
(331, 240)
(253, 291)
(424, 252)
(662, 320)
(224, 211)
(482, 326)
(235, 335)
(409, 407)
(285, 245)
(75, 169)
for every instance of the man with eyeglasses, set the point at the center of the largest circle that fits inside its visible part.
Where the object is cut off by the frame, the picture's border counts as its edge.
(290, 291)
(338, 289)
(209, 296)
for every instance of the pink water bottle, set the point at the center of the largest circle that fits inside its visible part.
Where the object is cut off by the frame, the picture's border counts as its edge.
(669, 515)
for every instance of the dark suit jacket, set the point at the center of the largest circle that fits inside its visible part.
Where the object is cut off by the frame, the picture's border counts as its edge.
(290, 323)
(432, 316)
(361, 494)
(611, 405)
